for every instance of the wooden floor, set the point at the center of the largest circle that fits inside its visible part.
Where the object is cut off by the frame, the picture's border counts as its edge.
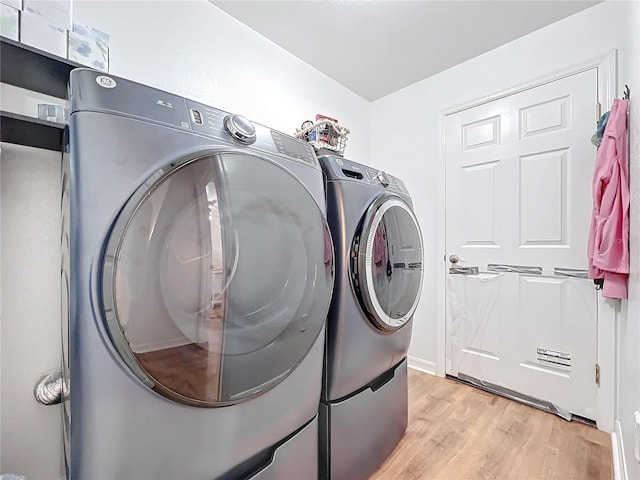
(191, 370)
(460, 432)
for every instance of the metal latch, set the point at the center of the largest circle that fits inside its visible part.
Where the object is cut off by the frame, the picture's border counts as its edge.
(522, 269)
(463, 270)
(570, 272)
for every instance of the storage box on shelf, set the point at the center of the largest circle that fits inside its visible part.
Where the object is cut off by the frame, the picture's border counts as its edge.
(9, 22)
(17, 4)
(38, 32)
(89, 46)
(54, 12)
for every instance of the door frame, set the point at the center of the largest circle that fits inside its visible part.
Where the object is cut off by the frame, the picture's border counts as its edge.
(606, 65)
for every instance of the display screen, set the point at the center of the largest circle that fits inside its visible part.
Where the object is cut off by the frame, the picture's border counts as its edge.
(293, 148)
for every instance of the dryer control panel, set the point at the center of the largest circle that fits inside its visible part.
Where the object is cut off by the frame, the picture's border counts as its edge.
(225, 126)
(98, 92)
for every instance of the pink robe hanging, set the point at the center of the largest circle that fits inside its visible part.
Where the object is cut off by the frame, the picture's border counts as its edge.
(608, 245)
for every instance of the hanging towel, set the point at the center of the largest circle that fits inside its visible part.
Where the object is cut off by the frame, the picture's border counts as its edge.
(600, 126)
(608, 243)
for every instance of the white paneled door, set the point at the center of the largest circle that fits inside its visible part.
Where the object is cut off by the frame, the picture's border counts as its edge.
(518, 203)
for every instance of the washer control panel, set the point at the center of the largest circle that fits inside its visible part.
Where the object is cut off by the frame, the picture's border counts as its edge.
(385, 180)
(338, 168)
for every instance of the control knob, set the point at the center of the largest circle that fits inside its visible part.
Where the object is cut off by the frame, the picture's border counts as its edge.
(384, 179)
(240, 129)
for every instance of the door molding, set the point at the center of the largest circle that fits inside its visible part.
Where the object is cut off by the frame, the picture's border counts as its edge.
(617, 454)
(606, 65)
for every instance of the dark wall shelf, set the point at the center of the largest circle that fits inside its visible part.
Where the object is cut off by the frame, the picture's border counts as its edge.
(30, 132)
(32, 69)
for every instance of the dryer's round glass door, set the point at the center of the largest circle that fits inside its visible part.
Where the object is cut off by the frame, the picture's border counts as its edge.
(217, 278)
(387, 263)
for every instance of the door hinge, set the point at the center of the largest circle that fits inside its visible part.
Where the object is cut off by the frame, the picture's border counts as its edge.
(597, 374)
(598, 111)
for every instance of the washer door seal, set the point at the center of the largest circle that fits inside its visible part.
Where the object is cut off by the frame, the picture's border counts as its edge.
(386, 263)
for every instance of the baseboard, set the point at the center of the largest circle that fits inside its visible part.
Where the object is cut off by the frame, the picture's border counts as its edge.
(617, 454)
(421, 365)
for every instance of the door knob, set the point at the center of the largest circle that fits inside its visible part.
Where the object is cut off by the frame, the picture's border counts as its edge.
(454, 259)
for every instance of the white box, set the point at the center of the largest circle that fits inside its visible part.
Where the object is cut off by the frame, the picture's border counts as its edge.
(17, 4)
(63, 5)
(53, 113)
(9, 22)
(89, 46)
(54, 12)
(36, 32)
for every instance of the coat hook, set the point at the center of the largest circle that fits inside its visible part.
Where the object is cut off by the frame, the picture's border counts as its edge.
(627, 92)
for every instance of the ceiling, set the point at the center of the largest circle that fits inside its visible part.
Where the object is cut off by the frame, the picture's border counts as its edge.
(376, 47)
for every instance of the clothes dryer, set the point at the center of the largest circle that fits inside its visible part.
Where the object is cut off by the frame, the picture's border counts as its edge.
(379, 272)
(197, 274)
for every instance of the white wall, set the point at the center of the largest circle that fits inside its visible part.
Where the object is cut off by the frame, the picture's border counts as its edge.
(30, 308)
(628, 328)
(189, 48)
(30, 268)
(194, 49)
(404, 125)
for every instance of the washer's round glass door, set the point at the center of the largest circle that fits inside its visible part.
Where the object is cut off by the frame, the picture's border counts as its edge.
(217, 278)
(386, 263)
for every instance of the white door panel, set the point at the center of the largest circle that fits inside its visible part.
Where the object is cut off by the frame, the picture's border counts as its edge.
(518, 192)
(557, 316)
(479, 316)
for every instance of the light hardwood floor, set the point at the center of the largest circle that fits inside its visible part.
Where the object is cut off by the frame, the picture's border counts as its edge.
(458, 432)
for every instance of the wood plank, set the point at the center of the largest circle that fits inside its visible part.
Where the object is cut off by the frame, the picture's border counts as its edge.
(459, 432)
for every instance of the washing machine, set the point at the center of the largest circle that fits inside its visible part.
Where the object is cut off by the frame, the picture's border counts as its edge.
(379, 271)
(197, 275)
